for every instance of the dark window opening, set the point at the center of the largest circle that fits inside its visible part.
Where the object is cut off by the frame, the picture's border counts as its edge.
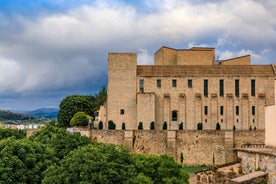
(253, 83)
(158, 83)
(205, 120)
(237, 110)
(217, 126)
(237, 120)
(174, 115)
(173, 83)
(122, 111)
(237, 87)
(190, 83)
(221, 87)
(205, 110)
(141, 85)
(205, 88)
(221, 120)
(199, 126)
(221, 110)
(253, 110)
(123, 126)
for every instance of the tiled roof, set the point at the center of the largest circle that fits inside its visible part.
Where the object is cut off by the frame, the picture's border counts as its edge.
(204, 70)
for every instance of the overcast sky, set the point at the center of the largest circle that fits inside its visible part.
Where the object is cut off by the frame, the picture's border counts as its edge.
(53, 49)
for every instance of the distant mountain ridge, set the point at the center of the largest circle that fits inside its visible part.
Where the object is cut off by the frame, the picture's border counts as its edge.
(49, 113)
(7, 115)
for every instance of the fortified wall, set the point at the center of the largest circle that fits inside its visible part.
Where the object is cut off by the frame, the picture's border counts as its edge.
(190, 147)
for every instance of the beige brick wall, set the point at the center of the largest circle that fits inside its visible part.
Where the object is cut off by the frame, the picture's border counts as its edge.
(121, 91)
(244, 60)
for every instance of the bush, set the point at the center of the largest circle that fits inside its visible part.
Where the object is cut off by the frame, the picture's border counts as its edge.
(152, 125)
(165, 126)
(111, 125)
(199, 126)
(140, 126)
(100, 125)
(79, 119)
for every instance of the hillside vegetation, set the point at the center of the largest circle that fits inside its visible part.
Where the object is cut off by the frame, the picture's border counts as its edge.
(6, 115)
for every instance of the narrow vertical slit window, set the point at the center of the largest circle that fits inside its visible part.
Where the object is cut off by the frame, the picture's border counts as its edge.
(221, 110)
(174, 83)
(141, 85)
(190, 83)
(174, 115)
(237, 87)
(221, 87)
(205, 110)
(205, 87)
(237, 110)
(253, 87)
(253, 110)
(158, 83)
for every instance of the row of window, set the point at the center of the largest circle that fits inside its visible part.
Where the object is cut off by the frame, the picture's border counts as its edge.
(174, 113)
(205, 86)
(222, 110)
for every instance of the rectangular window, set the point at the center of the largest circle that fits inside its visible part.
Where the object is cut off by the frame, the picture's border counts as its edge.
(122, 111)
(158, 83)
(174, 83)
(253, 110)
(237, 110)
(253, 82)
(141, 85)
(221, 110)
(237, 87)
(206, 110)
(221, 87)
(205, 87)
(190, 83)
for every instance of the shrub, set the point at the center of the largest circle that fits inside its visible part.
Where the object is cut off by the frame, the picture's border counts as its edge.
(140, 126)
(111, 125)
(152, 125)
(165, 126)
(79, 119)
(100, 125)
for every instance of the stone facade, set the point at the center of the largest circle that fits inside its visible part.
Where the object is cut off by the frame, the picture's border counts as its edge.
(205, 147)
(188, 87)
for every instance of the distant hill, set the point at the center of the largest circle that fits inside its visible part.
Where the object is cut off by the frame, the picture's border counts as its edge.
(7, 115)
(50, 113)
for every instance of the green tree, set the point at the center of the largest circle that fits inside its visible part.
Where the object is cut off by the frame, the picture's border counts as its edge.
(79, 119)
(70, 105)
(160, 169)
(5, 133)
(99, 163)
(23, 161)
(59, 140)
(101, 97)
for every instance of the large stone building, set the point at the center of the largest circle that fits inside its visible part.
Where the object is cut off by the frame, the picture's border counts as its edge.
(189, 89)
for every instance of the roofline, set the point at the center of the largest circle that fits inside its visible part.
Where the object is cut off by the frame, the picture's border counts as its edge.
(235, 58)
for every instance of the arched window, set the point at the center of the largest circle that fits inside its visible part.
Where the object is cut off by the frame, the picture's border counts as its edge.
(174, 115)
(218, 126)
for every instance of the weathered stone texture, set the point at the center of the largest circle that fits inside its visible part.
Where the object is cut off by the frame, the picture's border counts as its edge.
(248, 137)
(244, 60)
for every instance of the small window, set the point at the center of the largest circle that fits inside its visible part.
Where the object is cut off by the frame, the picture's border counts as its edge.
(221, 87)
(174, 115)
(174, 83)
(253, 110)
(141, 85)
(237, 87)
(253, 85)
(158, 83)
(221, 120)
(206, 88)
(122, 111)
(237, 110)
(190, 83)
(205, 110)
(205, 120)
(221, 110)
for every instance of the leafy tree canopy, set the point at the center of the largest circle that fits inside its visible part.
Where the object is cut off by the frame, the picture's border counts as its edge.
(101, 97)
(70, 105)
(99, 163)
(5, 133)
(23, 161)
(80, 119)
(59, 140)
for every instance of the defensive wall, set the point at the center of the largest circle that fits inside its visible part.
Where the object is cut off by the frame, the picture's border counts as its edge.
(191, 147)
